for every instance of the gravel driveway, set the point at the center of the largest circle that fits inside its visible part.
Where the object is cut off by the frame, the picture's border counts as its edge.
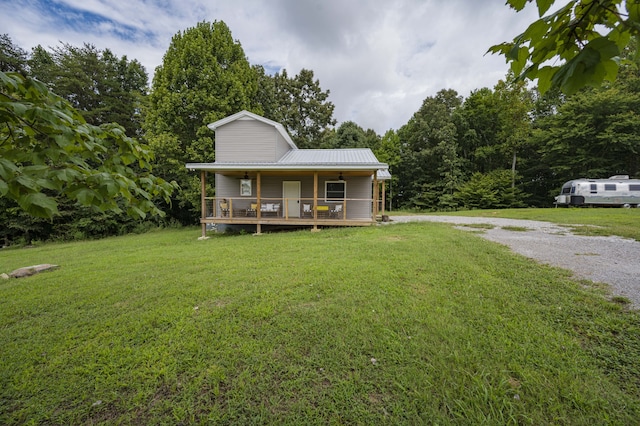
(611, 260)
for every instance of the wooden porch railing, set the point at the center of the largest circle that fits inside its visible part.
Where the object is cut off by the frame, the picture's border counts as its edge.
(278, 208)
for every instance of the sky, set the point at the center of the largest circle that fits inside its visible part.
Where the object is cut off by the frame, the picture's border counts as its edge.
(378, 58)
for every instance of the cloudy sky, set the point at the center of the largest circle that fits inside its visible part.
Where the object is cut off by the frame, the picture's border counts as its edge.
(379, 58)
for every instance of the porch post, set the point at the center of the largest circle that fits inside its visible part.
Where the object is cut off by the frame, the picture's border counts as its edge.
(375, 195)
(203, 202)
(315, 201)
(258, 195)
(384, 195)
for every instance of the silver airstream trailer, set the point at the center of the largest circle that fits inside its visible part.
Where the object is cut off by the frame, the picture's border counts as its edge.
(616, 191)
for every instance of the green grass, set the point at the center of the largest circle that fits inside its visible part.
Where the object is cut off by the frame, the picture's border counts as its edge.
(586, 221)
(402, 324)
(515, 228)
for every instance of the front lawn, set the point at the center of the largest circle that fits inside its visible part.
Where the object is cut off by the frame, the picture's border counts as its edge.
(409, 323)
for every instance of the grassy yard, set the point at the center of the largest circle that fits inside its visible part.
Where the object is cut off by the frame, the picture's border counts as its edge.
(402, 324)
(585, 221)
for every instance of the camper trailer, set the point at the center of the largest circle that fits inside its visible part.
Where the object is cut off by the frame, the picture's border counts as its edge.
(617, 191)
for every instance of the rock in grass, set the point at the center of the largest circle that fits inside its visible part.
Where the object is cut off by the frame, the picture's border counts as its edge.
(32, 270)
(4, 277)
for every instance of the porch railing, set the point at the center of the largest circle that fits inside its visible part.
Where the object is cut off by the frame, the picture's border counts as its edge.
(282, 208)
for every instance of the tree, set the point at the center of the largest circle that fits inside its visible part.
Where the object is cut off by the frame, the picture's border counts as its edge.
(429, 152)
(489, 191)
(101, 86)
(12, 57)
(48, 150)
(265, 97)
(303, 108)
(450, 167)
(204, 77)
(388, 151)
(478, 143)
(350, 135)
(578, 45)
(594, 134)
(515, 102)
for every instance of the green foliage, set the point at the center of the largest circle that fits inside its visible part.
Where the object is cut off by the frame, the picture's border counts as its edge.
(428, 152)
(12, 58)
(490, 191)
(205, 76)
(586, 36)
(302, 107)
(101, 86)
(594, 134)
(440, 327)
(350, 135)
(48, 150)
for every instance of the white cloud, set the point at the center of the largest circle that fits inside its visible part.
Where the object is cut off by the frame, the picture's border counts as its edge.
(379, 58)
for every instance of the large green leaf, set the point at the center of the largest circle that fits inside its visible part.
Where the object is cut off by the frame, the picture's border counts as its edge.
(543, 6)
(38, 204)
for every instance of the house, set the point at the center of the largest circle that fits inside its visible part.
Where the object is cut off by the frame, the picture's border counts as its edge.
(262, 178)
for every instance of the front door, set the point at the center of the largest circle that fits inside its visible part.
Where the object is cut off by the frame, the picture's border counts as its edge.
(291, 194)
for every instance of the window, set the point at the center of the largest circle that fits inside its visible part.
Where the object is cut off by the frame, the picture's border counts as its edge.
(634, 187)
(594, 188)
(609, 186)
(335, 191)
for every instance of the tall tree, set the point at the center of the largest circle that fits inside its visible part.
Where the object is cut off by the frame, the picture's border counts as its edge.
(388, 151)
(265, 97)
(425, 139)
(101, 86)
(478, 143)
(576, 46)
(351, 135)
(204, 76)
(303, 107)
(450, 167)
(594, 134)
(516, 103)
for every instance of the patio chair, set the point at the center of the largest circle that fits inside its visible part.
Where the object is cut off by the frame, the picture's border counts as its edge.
(306, 210)
(224, 208)
(251, 211)
(336, 211)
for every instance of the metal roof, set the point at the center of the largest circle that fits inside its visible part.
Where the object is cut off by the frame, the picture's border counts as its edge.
(330, 157)
(308, 159)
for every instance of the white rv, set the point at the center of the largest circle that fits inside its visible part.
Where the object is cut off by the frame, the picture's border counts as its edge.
(616, 191)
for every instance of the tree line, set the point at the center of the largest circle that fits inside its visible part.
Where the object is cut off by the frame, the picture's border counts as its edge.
(506, 146)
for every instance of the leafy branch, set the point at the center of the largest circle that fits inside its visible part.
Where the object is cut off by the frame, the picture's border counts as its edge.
(587, 57)
(49, 151)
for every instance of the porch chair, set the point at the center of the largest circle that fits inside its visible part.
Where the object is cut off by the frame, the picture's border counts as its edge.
(306, 210)
(224, 208)
(336, 211)
(251, 211)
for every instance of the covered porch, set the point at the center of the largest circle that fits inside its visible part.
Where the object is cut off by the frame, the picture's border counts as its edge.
(311, 198)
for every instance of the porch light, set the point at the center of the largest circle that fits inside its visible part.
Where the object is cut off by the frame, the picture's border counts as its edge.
(246, 175)
(340, 177)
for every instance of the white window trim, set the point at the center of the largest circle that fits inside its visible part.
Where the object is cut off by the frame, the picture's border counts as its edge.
(334, 200)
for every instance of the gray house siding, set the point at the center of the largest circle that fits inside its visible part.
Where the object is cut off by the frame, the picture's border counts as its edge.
(229, 188)
(247, 141)
(282, 147)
